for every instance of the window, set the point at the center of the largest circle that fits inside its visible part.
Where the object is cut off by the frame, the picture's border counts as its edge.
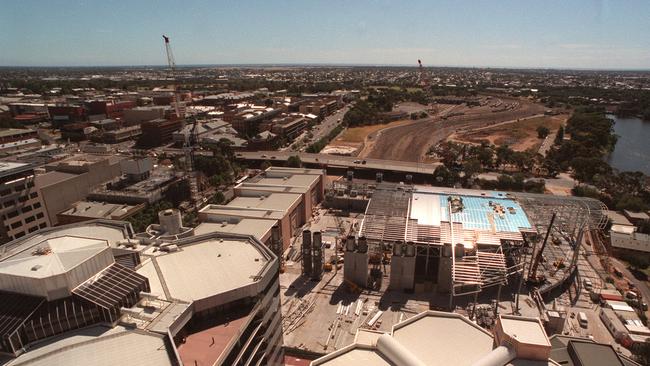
(19, 188)
(32, 229)
(19, 235)
(9, 203)
(22, 199)
(39, 215)
(30, 219)
(12, 214)
(30, 184)
(33, 195)
(16, 224)
(42, 225)
(5, 192)
(26, 209)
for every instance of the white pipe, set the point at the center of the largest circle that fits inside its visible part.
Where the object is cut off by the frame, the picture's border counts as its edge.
(498, 357)
(396, 352)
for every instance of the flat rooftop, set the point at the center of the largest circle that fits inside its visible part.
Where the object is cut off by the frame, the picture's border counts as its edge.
(290, 179)
(273, 170)
(7, 166)
(272, 188)
(358, 355)
(99, 210)
(207, 346)
(4, 132)
(527, 330)
(258, 213)
(99, 346)
(257, 227)
(448, 347)
(273, 201)
(434, 338)
(205, 267)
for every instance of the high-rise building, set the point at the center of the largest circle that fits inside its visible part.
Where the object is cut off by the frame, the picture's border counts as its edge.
(21, 208)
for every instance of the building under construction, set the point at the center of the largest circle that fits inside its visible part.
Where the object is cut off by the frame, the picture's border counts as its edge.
(457, 241)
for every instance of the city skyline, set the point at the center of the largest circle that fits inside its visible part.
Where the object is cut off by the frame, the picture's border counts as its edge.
(579, 35)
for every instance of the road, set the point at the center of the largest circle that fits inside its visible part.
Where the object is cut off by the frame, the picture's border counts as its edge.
(329, 123)
(342, 161)
(322, 129)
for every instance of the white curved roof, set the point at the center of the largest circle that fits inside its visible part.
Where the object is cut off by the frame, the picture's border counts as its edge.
(52, 256)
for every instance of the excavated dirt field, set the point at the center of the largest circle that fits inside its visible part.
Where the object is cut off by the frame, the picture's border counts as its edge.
(410, 142)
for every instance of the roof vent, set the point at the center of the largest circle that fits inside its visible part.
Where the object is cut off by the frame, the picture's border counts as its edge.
(37, 267)
(42, 251)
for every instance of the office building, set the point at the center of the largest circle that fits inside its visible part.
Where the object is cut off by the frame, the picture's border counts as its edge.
(21, 206)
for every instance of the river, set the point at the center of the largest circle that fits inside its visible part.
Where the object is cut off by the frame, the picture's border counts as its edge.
(632, 151)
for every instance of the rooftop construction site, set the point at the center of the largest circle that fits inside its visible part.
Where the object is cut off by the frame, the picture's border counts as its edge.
(379, 253)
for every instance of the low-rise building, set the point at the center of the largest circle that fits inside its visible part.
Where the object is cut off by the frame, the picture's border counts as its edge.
(636, 217)
(626, 240)
(89, 210)
(158, 132)
(310, 183)
(16, 134)
(135, 116)
(289, 127)
(71, 180)
(284, 209)
(15, 147)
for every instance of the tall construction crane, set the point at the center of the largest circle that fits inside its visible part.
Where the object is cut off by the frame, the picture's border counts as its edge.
(172, 67)
(423, 79)
(537, 257)
(191, 141)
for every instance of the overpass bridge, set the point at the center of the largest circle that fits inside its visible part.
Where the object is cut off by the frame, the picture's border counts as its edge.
(356, 164)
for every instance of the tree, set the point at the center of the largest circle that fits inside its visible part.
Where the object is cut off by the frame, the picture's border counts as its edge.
(551, 167)
(471, 168)
(632, 203)
(218, 198)
(542, 132)
(503, 155)
(294, 161)
(585, 169)
(644, 227)
(444, 177)
(178, 192)
(641, 352)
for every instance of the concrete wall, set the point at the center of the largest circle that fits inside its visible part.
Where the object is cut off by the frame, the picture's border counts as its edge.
(402, 273)
(445, 280)
(355, 268)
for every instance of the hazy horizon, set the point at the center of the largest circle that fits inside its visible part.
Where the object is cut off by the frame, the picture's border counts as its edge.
(576, 35)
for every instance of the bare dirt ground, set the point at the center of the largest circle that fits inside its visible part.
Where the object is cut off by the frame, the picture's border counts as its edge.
(362, 138)
(519, 135)
(411, 142)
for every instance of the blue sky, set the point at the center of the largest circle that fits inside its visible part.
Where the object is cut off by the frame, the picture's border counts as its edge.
(502, 33)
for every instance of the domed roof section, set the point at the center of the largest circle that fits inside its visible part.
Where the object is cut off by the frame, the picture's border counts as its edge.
(52, 256)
